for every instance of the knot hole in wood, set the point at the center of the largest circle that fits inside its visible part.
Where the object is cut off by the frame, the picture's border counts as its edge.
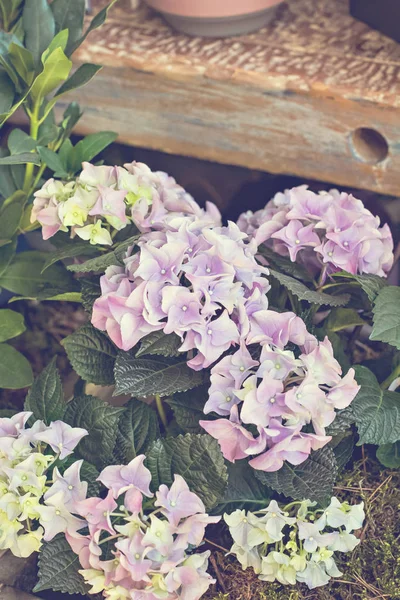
(369, 145)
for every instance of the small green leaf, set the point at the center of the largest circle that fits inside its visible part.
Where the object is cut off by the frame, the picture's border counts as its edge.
(21, 159)
(45, 399)
(19, 142)
(69, 15)
(146, 376)
(56, 70)
(59, 568)
(137, 429)
(387, 317)
(160, 343)
(94, 143)
(244, 490)
(188, 408)
(197, 458)
(101, 421)
(59, 41)
(312, 479)
(11, 324)
(39, 26)
(7, 92)
(376, 411)
(92, 355)
(389, 455)
(15, 370)
(53, 161)
(81, 77)
(370, 284)
(342, 318)
(22, 61)
(96, 22)
(303, 293)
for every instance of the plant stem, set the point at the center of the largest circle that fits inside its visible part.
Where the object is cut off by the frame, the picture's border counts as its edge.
(216, 545)
(34, 130)
(396, 373)
(161, 411)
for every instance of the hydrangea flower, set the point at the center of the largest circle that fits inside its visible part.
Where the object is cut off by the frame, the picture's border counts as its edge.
(191, 279)
(292, 544)
(329, 231)
(35, 498)
(105, 198)
(142, 549)
(277, 395)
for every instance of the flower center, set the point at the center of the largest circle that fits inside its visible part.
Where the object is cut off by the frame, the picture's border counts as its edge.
(137, 555)
(184, 308)
(277, 366)
(172, 503)
(241, 369)
(228, 399)
(58, 512)
(272, 400)
(330, 253)
(208, 270)
(297, 241)
(70, 487)
(163, 271)
(345, 244)
(209, 332)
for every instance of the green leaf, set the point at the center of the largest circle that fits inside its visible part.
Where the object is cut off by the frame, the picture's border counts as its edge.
(146, 376)
(303, 293)
(197, 458)
(137, 429)
(94, 143)
(389, 455)
(100, 263)
(7, 184)
(387, 317)
(370, 284)
(21, 159)
(312, 479)
(344, 420)
(7, 92)
(81, 77)
(56, 70)
(90, 474)
(69, 14)
(101, 421)
(285, 265)
(58, 568)
(39, 26)
(19, 142)
(10, 215)
(92, 355)
(160, 344)
(46, 398)
(22, 61)
(96, 22)
(343, 447)
(188, 408)
(90, 291)
(376, 411)
(339, 349)
(11, 324)
(59, 41)
(15, 370)
(53, 161)
(244, 489)
(70, 251)
(24, 276)
(342, 318)
(7, 254)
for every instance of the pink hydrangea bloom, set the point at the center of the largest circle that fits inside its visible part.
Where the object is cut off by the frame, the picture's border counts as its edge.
(331, 231)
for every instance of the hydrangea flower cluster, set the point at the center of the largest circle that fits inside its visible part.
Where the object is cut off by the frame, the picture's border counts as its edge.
(278, 394)
(105, 199)
(32, 490)
(330, 231)
(197, 281)
(284, 548)
(137, 549)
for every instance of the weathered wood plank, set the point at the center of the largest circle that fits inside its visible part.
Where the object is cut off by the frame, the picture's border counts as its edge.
(286, 99)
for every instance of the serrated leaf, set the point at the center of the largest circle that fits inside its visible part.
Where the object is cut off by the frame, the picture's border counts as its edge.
(389, 455)
(15, 369)
(343, 420)
(197, 458)
(188, 408)
(339, 346)
(370, 284)
(70, 251)
(285, 265)
(58, 568)
(386, 311)
(90, 292)
(11, 324)
(376, 411)
(312, 479)
(161, 344)
(343, 446)
(342, 318)
(244, 489)
(146, 376)
(137, 429)
(46, 398)
(92, 355)
(101, 421)
(100, 263)
(89, 473)
(303, 293)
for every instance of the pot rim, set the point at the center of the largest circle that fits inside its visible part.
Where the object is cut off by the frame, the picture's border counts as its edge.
(211, 8)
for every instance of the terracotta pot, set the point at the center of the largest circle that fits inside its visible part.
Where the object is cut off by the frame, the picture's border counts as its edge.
(216, 18)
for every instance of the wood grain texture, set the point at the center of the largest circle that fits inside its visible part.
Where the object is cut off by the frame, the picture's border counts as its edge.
(285, 99)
